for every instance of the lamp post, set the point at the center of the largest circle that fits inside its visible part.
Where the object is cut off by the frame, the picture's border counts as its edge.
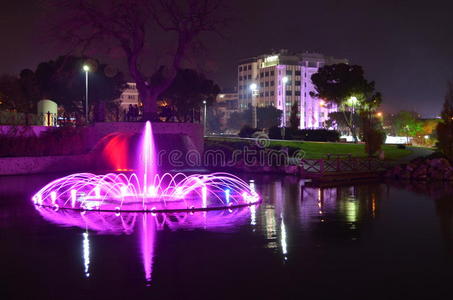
(86, 69)
(254, 89)
(284, 81)
(204, 117)
(352, 101)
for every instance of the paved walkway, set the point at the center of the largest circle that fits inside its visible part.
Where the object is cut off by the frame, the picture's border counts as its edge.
(417, 152)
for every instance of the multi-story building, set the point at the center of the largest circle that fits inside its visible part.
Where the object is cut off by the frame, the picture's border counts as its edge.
(129, 96)
(281, 79)
(227, 103)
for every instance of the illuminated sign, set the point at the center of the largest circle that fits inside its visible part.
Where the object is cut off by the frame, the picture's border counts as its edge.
(270, 61)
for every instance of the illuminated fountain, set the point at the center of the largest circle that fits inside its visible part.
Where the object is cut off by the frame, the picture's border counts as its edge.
(146, 190)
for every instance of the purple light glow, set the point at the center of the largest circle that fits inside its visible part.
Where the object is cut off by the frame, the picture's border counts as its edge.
(126, 222)
(146, 225)
(146, 190)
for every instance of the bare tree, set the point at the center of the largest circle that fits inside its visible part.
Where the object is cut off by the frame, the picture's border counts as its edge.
(136, 27)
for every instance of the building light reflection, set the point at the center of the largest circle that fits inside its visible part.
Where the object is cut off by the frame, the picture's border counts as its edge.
(271, 227)
(253, 215)
(283, 240)
(351, 210)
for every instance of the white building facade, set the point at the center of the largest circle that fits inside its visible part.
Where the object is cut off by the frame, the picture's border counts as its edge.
(129, 96)
(283, 79)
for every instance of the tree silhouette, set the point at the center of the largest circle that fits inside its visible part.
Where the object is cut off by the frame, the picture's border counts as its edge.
(138, 28)
(63, 81)
(294, 120)
(445, 128)
(188, 91)
(268, 117)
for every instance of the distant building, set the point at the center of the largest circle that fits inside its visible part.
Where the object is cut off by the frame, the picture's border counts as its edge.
(130, 96)
(227, 103)
(282, 79)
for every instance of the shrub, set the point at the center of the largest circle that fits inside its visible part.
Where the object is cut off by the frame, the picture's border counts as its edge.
(247, 131)
(373, 138)
(444, 129)
(317, 135)
(275, 132)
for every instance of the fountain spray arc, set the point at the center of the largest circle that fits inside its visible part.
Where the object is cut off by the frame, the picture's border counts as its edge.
(147, 190)
(148, 158)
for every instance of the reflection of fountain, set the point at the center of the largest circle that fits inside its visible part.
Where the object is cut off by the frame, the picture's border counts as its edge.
(147, 223)
(146, 190)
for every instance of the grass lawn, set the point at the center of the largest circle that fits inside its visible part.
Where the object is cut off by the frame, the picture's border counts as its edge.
(320, 149)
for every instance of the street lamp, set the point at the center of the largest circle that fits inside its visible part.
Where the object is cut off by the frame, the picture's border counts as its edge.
(254, 89)
(284, 81)
(204, 117)
(353, 101)
(86, 69)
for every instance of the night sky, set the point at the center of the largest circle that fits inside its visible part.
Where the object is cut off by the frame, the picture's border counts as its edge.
(405, 46)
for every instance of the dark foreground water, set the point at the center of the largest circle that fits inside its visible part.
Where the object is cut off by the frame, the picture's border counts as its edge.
(368, 241)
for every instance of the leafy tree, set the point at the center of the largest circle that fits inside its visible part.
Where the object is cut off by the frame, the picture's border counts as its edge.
(247, 131)
(19, 95)
(237, 120)
(429, 126)
(294, 120)
(12, 94)
(213, 120)
(139, 29)
(267, 116)
(187, 93)
(445, 128)
(406, 123)
(337, 120)
(63, 81)
(346, 86)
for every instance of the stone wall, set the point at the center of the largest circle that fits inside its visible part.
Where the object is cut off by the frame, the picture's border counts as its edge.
(168, 136)
(99, 130)
(193, 131)
(45, 164)
(23, 130)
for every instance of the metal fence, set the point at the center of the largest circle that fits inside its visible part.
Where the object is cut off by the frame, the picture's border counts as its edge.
(340, 165)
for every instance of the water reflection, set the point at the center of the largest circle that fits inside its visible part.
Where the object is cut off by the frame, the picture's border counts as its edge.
(292, 211)
(147, 223)
(86, 254)
(147, 239)
(444, 209)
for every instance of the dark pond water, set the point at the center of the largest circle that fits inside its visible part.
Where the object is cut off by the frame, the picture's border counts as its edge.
(366, 241)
